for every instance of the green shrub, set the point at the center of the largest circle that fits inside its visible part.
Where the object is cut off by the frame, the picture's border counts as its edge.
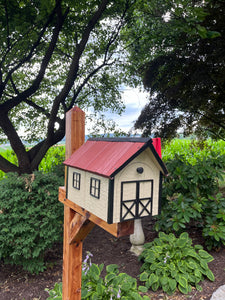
(214, 221)
(115, 285)
(199, 180)
(191, 195)
(53, 158)
(171, 263)
(192, 150)
(31, 218)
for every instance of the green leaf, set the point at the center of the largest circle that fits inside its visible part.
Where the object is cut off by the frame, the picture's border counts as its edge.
(184, 235)
(183, 281)
(155, 286)
(94, 296)
(183, 290)
(152, 279)
(192, 265)
(181, 242)
(198, 287)
(144, 276)
(210, 275)
(213, 34)
(112, 268)
(176, 226)
(205, 255)
(164, 280)
(172, 284)
(203, 264)
(109, 277)
(197, 273)
(142, 289)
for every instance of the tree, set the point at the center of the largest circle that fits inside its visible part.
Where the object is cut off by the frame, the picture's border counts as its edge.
(55, 54)
(182, 64)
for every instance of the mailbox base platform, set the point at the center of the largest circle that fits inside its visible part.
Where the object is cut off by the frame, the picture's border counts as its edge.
(116, 229)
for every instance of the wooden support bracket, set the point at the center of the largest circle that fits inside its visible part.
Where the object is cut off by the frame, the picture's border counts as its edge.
(80, 226)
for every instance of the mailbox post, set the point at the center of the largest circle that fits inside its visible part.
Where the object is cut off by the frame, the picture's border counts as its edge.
(78, 222)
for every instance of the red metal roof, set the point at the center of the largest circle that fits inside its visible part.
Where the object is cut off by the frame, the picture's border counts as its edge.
(104, 157)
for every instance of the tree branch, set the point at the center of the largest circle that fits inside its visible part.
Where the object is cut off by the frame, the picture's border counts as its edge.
(7, 166)
(15, 143)
(72, 74)
(112, 39)
(30, 54)
(39, 109)
(8, 105)
(7, 22)
(85, 81)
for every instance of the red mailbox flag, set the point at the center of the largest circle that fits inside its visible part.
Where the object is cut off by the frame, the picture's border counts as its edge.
(157, 144)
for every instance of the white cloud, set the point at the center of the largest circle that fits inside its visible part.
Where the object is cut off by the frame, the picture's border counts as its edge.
(134, 101)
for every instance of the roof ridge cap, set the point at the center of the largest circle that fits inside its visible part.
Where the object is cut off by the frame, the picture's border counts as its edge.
(122, 139)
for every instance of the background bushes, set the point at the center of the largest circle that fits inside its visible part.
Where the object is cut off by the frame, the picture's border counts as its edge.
(31, 218)
(191, 196)
(53, 158)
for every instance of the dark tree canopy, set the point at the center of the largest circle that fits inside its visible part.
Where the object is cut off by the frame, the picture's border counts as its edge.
(60, 53)
(54, 55)
(183, 68)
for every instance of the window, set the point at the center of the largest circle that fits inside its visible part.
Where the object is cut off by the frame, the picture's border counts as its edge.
(95, 188)
(76, 180)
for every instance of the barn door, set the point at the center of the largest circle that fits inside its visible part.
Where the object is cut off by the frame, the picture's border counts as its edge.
(136, 199)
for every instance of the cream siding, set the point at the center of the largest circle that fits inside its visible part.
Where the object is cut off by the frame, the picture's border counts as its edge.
(82, 197)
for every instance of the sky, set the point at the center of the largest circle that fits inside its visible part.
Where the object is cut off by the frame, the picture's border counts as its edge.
(134, 101)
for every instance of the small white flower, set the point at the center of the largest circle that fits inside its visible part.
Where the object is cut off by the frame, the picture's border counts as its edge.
(118, 294)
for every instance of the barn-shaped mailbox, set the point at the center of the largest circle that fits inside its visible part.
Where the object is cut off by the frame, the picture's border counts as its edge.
(116, 179)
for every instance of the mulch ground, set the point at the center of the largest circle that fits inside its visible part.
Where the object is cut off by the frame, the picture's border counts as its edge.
(16, 284)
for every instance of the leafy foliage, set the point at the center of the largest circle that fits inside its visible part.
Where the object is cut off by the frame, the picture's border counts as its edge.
(192, 149)
(191, 195)
(180, 57)
(214, 221)
(114, 285)
(170, 263)
(53, 158)
(55, 55)
(30, 218)
(56, 292)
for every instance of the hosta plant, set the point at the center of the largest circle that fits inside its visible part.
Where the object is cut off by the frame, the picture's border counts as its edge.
(170, 263)
(114, 285)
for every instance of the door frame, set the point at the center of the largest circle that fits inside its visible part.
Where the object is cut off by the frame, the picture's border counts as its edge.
(137, 202)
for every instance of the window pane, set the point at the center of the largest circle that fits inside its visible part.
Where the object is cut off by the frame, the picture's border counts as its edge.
(76, 180)
(95, 187)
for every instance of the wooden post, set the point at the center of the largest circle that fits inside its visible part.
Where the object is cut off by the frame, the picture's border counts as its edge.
(77, 221)
(72, 248)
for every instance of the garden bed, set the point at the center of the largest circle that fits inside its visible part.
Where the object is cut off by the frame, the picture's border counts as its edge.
(16, 284)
